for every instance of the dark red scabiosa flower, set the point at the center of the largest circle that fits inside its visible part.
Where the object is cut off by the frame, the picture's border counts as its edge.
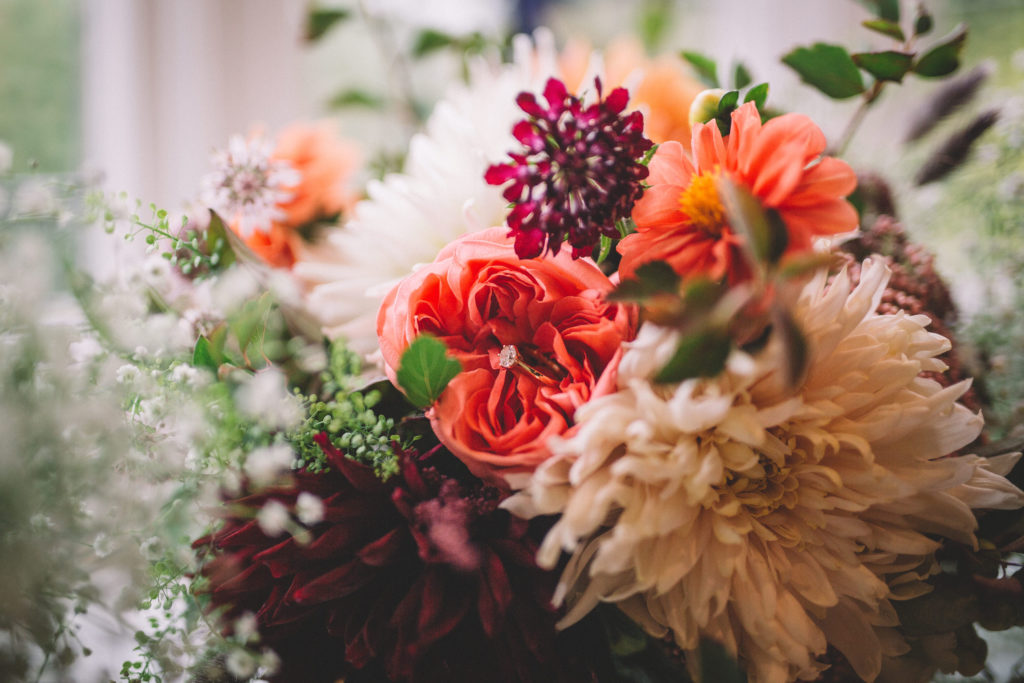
(420, 578)
(578, 173)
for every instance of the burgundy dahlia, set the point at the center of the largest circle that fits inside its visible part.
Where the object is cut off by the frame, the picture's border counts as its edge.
(578, 173)
(420, 578)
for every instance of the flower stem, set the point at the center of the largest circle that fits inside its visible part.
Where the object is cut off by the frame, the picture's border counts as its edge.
(858, 117)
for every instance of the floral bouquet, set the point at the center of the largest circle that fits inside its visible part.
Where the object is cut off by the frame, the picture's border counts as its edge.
(621, 379)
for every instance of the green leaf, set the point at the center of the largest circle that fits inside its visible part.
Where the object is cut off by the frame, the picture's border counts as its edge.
(425, 370)
(885, 27)
(885, 66)
(944, 58)
(764, 230)
(655, 19)
(924, 22)
(700, 354)
(829, 68)
(650, 279)
(202, 355)
(249, 323)
(429, 41)
(717, 665)
(758, 95)
(605, 249)
(705, 67)
(741, 78)
(217, 240)
(355, 97)
(320, 20)
(888, 10)
(726, 106)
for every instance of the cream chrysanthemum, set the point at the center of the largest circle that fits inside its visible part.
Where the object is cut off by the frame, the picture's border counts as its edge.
(409, 217)
(777, 522)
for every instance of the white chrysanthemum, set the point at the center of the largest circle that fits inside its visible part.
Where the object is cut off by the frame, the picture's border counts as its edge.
(246, 184)
(442, 195)
(776, 522)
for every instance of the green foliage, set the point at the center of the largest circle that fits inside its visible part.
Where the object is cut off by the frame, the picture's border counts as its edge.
(655, 19)
(829, 68)
(726, 106)
(429, 41)
(923, 22)
(40, 83)
(636, 656)
(889, 65)
(348, 417)
(887, 10)
(651, 278)
(699, 354)
(944, 58)
(885, 27)
(741, 77)
(425, 370)
(759, 96)
(321, 19)
(356, 97)
(765, 233)
(194, 252)
(705, 67)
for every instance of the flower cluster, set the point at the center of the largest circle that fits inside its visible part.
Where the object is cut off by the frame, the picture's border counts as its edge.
(706, 440)
(580, 171)
(246, 185)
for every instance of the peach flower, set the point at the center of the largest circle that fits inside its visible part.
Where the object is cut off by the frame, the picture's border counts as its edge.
(277, 248)
(536, 340)
(681, 220)
(661, 87)
(326, 163)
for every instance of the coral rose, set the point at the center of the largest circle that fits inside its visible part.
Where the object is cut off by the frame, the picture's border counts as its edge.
(681, 220)
(536, 340)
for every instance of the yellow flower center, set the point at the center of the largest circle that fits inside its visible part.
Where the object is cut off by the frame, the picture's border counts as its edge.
(763, 488)
(700, 202)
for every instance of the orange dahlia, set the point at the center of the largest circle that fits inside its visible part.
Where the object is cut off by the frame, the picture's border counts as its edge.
(680, 218)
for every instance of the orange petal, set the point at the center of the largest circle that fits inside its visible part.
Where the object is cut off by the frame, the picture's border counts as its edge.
(671, 165)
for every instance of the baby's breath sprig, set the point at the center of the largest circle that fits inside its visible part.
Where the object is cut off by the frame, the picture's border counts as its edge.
(196, 250)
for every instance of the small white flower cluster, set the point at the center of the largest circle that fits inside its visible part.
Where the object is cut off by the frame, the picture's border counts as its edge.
(247, 184)
(265, 397)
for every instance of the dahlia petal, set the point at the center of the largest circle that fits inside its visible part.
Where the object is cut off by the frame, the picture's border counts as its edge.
(659, 208)
(670, 165)
(360, 476)
(849, 631)
(825, 180)
(708, 148)
(337, 583)
(777, 176)
(382, 551)
(440, 610)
